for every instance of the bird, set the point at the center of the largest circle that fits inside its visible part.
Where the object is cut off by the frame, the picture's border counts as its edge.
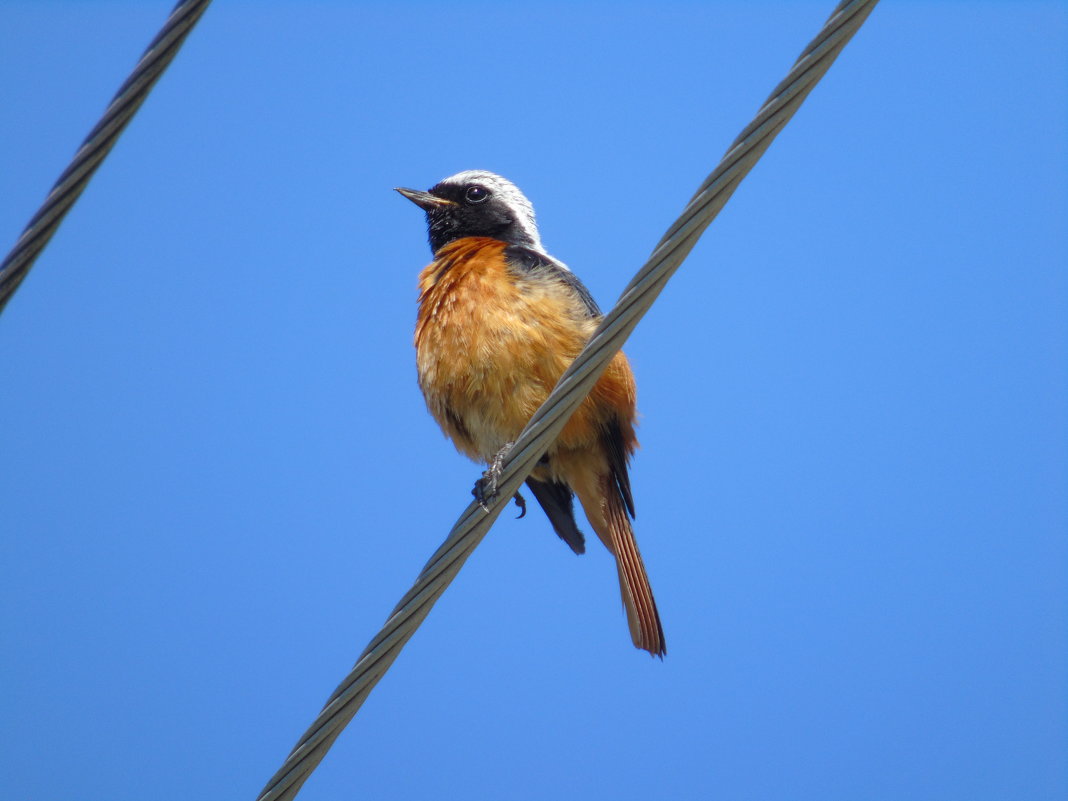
(498, 322)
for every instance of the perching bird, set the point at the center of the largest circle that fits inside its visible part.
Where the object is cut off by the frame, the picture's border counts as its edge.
(499, 321)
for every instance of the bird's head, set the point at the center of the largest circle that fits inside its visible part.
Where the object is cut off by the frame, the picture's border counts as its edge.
(476, 203)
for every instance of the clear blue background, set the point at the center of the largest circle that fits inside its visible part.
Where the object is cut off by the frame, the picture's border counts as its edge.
(219, 477)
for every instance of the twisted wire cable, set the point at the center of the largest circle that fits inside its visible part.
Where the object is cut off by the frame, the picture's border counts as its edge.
(572, 388)
(96, 146)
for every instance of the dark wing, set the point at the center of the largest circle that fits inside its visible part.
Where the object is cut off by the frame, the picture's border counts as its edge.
(559, 504)
(555, 498)
(615, 447)
(524, 260)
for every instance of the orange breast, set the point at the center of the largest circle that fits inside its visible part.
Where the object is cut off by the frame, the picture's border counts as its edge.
(491, 344)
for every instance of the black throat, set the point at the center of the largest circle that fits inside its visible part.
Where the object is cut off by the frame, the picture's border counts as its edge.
(458, 219)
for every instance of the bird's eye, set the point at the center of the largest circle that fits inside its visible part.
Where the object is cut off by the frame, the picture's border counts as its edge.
(476, 194)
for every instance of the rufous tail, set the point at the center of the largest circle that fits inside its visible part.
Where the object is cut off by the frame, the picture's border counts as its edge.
(613, 527)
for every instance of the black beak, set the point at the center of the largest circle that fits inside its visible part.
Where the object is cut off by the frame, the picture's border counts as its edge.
(424, 200)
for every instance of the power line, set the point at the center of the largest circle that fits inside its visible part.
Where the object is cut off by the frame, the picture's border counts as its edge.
(96, 146)
(572, 388)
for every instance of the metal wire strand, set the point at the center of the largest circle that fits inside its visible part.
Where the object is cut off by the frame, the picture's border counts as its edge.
(568, 394)
(119, 112)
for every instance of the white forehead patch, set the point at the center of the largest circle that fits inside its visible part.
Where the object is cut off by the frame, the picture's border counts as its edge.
(507, 192)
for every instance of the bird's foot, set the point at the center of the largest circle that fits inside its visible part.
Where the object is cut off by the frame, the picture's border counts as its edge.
(485, 489)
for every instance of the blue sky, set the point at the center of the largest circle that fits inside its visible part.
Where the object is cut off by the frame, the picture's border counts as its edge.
(219, 475)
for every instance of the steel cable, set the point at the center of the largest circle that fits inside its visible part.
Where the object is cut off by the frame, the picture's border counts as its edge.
(572, 388)
(96, 146)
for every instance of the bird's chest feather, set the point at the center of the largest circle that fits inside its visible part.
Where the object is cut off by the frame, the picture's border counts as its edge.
(490, 344)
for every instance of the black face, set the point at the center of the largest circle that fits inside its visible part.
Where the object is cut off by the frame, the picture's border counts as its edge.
(475, 210)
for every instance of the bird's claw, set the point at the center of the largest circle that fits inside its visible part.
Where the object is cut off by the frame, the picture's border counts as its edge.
(485, 489)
